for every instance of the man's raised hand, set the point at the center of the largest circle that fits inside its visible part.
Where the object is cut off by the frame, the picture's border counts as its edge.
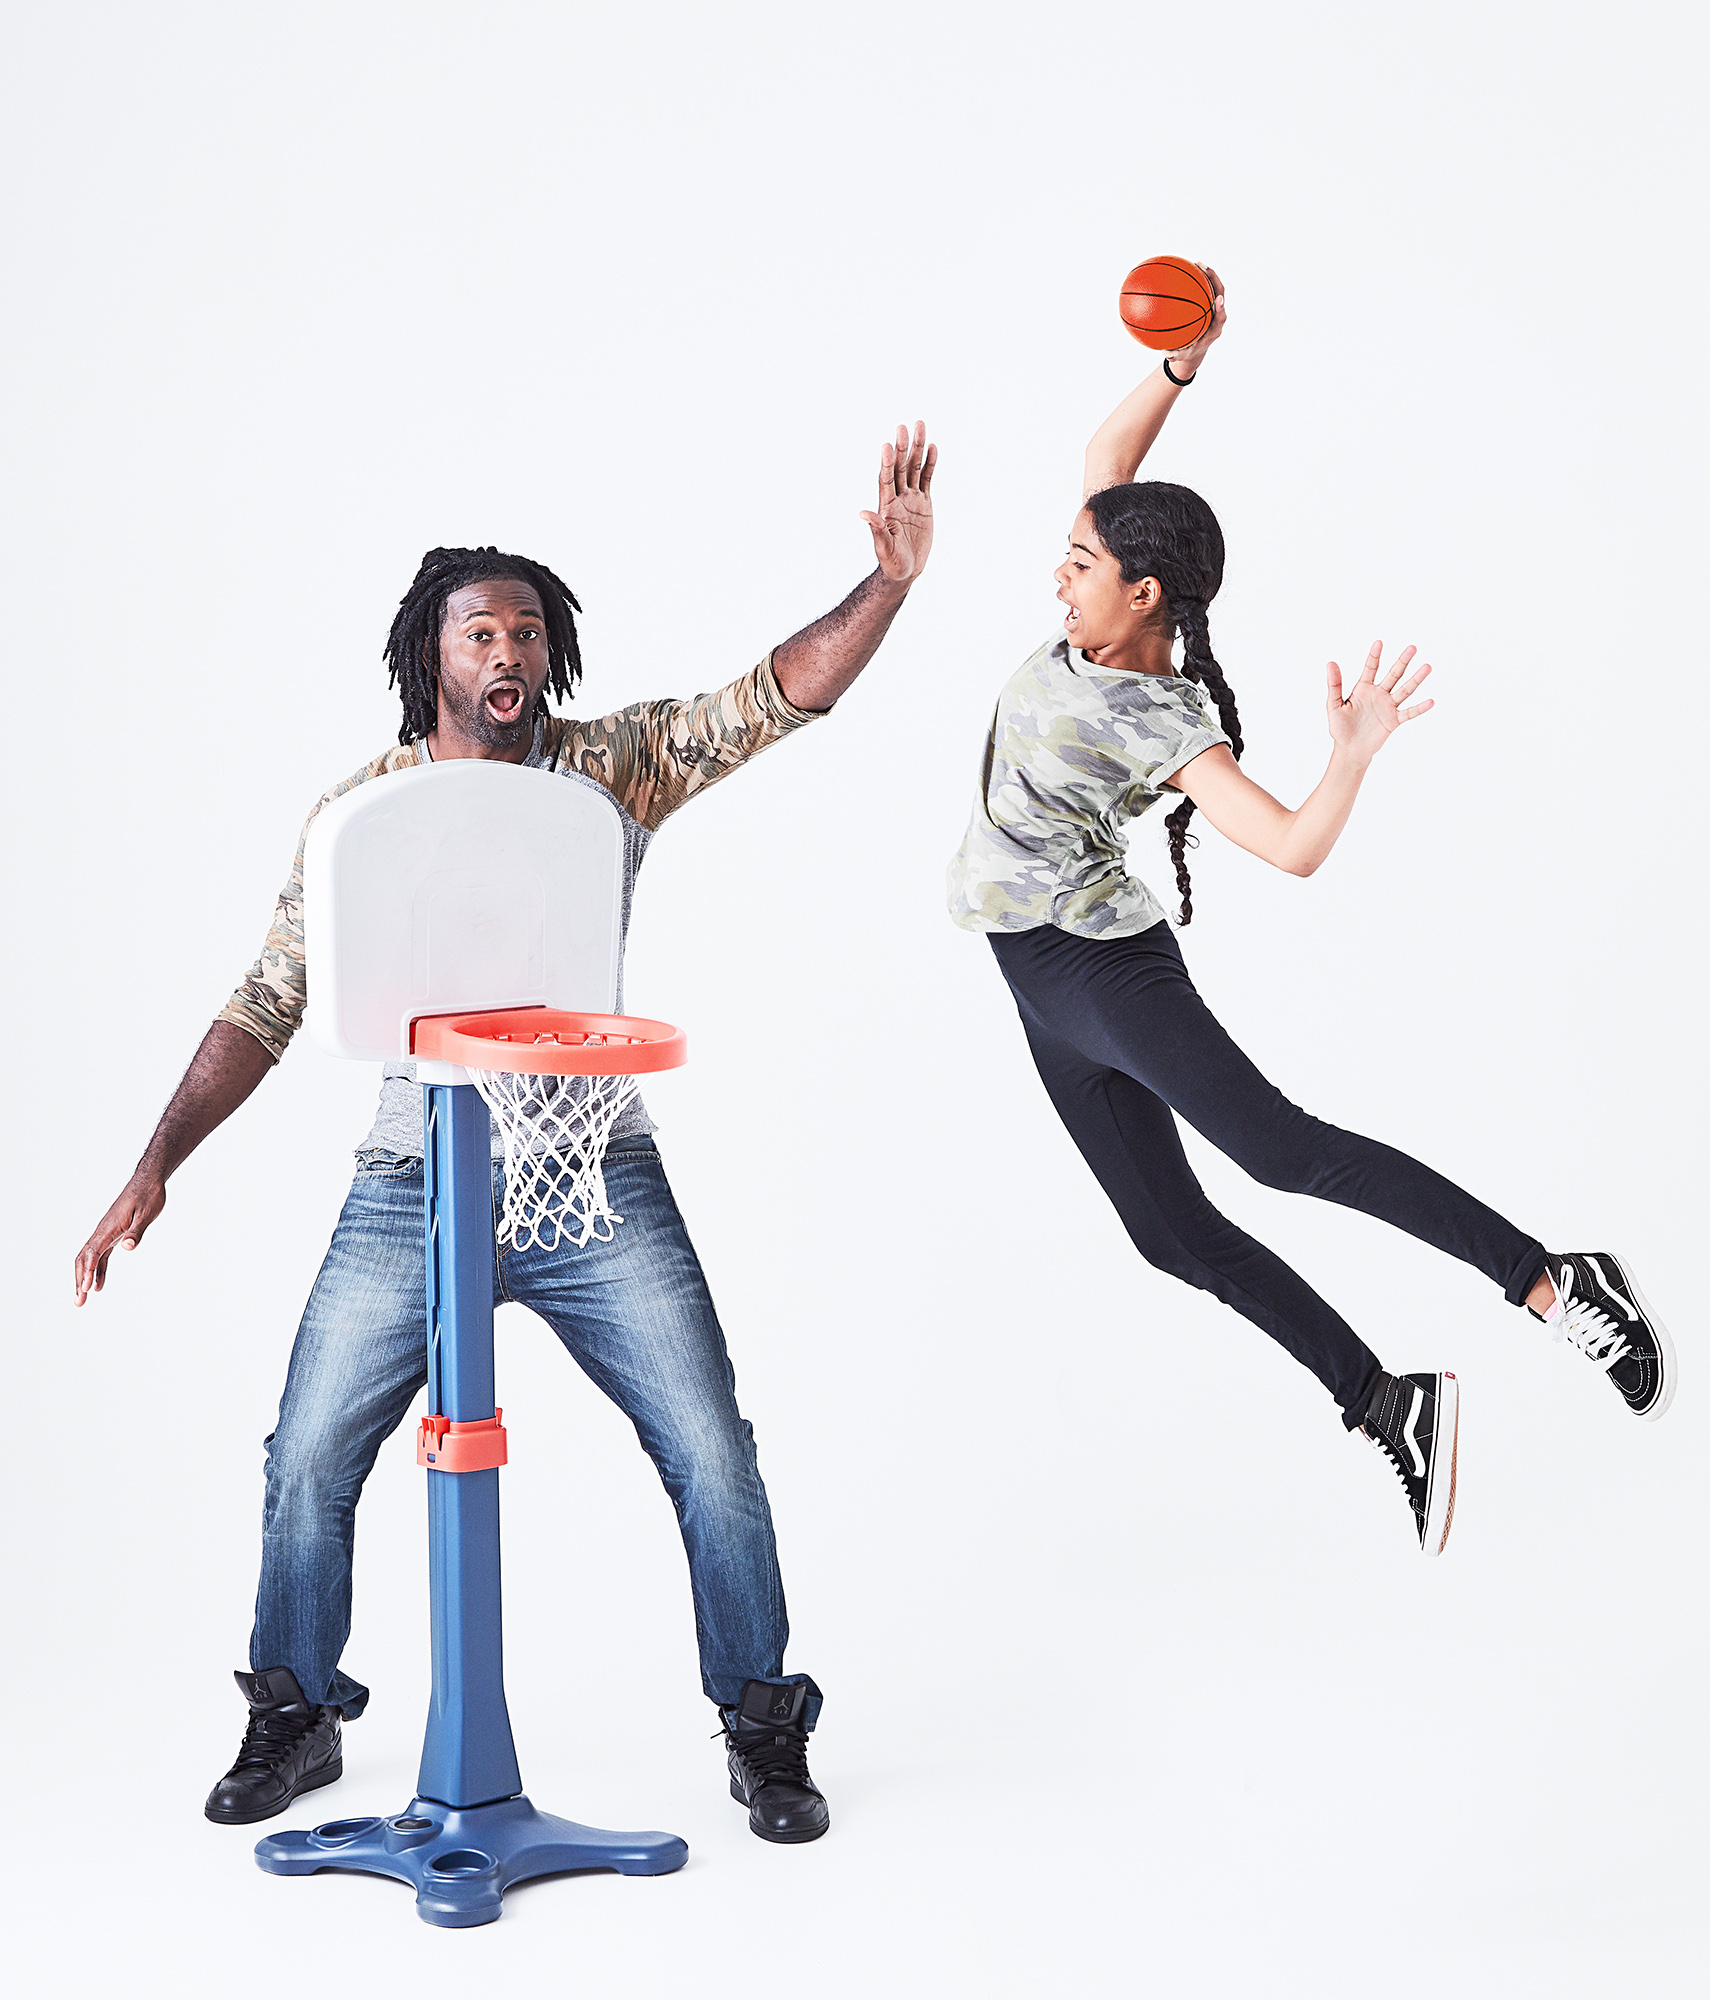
(902, 528)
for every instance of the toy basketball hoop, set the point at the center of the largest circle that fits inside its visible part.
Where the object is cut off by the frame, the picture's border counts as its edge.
(555, 1083)
(472, 911)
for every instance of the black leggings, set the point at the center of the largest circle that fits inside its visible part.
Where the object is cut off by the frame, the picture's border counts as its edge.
(1121, 1040)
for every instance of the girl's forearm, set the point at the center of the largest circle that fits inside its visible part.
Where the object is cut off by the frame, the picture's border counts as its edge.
(1316, 825)
(1129, 432)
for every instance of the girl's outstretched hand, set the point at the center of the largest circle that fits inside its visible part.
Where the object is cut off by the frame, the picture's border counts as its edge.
(1363, 720)
(902, 528)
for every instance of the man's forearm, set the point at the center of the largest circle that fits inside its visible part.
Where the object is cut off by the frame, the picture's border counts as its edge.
(222, 1074)
(816, 666)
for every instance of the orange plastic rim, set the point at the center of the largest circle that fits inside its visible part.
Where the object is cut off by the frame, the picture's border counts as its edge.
(545, 1041)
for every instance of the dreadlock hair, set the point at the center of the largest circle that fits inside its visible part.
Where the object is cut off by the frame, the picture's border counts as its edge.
(412, 645)
(1155, 529)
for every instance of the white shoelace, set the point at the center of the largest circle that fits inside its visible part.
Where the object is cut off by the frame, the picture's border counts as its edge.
(1595, 1334)
(1390, 1456)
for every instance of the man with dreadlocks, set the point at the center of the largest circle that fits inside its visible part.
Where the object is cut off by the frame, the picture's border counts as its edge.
(480, 640)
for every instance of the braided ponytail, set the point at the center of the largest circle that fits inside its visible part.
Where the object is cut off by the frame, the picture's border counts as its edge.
(1168, 532)
(1199, 664)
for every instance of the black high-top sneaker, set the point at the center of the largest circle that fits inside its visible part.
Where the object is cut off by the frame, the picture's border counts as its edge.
(290, 1746)
(1607, 1317)
(1414, 1420)
(767, 1737)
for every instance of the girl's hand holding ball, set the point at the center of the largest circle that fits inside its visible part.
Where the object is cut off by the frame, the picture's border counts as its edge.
(1174, 306)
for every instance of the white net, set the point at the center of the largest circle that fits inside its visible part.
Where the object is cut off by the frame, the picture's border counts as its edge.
(554, 1130)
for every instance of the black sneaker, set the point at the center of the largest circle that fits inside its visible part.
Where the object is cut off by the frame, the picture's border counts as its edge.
(1414, 1420)
(290, 1746)
(768, 1763)
(1607, 1317)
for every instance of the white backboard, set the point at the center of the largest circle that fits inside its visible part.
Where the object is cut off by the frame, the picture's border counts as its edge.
(458, 885)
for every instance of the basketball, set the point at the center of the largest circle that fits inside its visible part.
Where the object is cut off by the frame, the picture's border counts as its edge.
(1166, 302)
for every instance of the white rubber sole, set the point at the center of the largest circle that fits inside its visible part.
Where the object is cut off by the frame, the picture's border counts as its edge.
(1440, 1493)
(1665, 1343)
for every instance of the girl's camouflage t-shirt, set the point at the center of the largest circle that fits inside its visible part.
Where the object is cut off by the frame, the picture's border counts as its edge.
(1075, 751)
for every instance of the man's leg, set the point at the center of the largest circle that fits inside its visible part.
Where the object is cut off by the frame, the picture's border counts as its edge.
(636, 1314)
(358, 1360)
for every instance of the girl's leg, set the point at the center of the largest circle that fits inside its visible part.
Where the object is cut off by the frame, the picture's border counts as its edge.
(1129, 1139)
(1130, 1004)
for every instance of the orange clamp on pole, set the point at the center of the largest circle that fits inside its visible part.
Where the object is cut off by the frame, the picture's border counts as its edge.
(443, 1446)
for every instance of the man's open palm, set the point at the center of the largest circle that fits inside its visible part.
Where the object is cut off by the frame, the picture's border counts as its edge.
(902, 528)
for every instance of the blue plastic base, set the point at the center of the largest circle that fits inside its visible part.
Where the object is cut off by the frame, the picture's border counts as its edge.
(461, 1862)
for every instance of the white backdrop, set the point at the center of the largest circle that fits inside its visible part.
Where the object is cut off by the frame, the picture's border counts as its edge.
(1134, 1680)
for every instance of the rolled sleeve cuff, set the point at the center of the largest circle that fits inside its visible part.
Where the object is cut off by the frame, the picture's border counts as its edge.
(1196, 746)
(238, 1014)
(778, 704)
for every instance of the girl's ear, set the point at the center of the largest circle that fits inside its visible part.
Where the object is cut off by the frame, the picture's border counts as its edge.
(1148, 595)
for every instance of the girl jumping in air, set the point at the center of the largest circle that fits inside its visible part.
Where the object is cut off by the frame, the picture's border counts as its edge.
(1094, 729)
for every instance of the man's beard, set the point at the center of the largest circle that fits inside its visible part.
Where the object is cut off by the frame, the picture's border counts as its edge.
(476, 720)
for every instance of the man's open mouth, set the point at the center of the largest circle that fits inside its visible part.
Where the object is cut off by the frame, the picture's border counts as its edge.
(505, 700)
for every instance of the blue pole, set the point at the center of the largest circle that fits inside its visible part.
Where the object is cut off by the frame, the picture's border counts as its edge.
(468, 1834)
(468, 1757)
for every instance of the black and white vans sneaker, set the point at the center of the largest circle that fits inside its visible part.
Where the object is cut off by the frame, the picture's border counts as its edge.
(1607, 1317)
(1414, 1420)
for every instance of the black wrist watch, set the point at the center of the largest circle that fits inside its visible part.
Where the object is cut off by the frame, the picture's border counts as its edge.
(1181, 381)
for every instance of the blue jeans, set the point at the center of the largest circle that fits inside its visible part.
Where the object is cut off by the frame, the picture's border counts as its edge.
(634, 1312)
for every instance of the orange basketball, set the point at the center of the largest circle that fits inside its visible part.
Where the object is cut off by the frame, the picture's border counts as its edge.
(1166, 302)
